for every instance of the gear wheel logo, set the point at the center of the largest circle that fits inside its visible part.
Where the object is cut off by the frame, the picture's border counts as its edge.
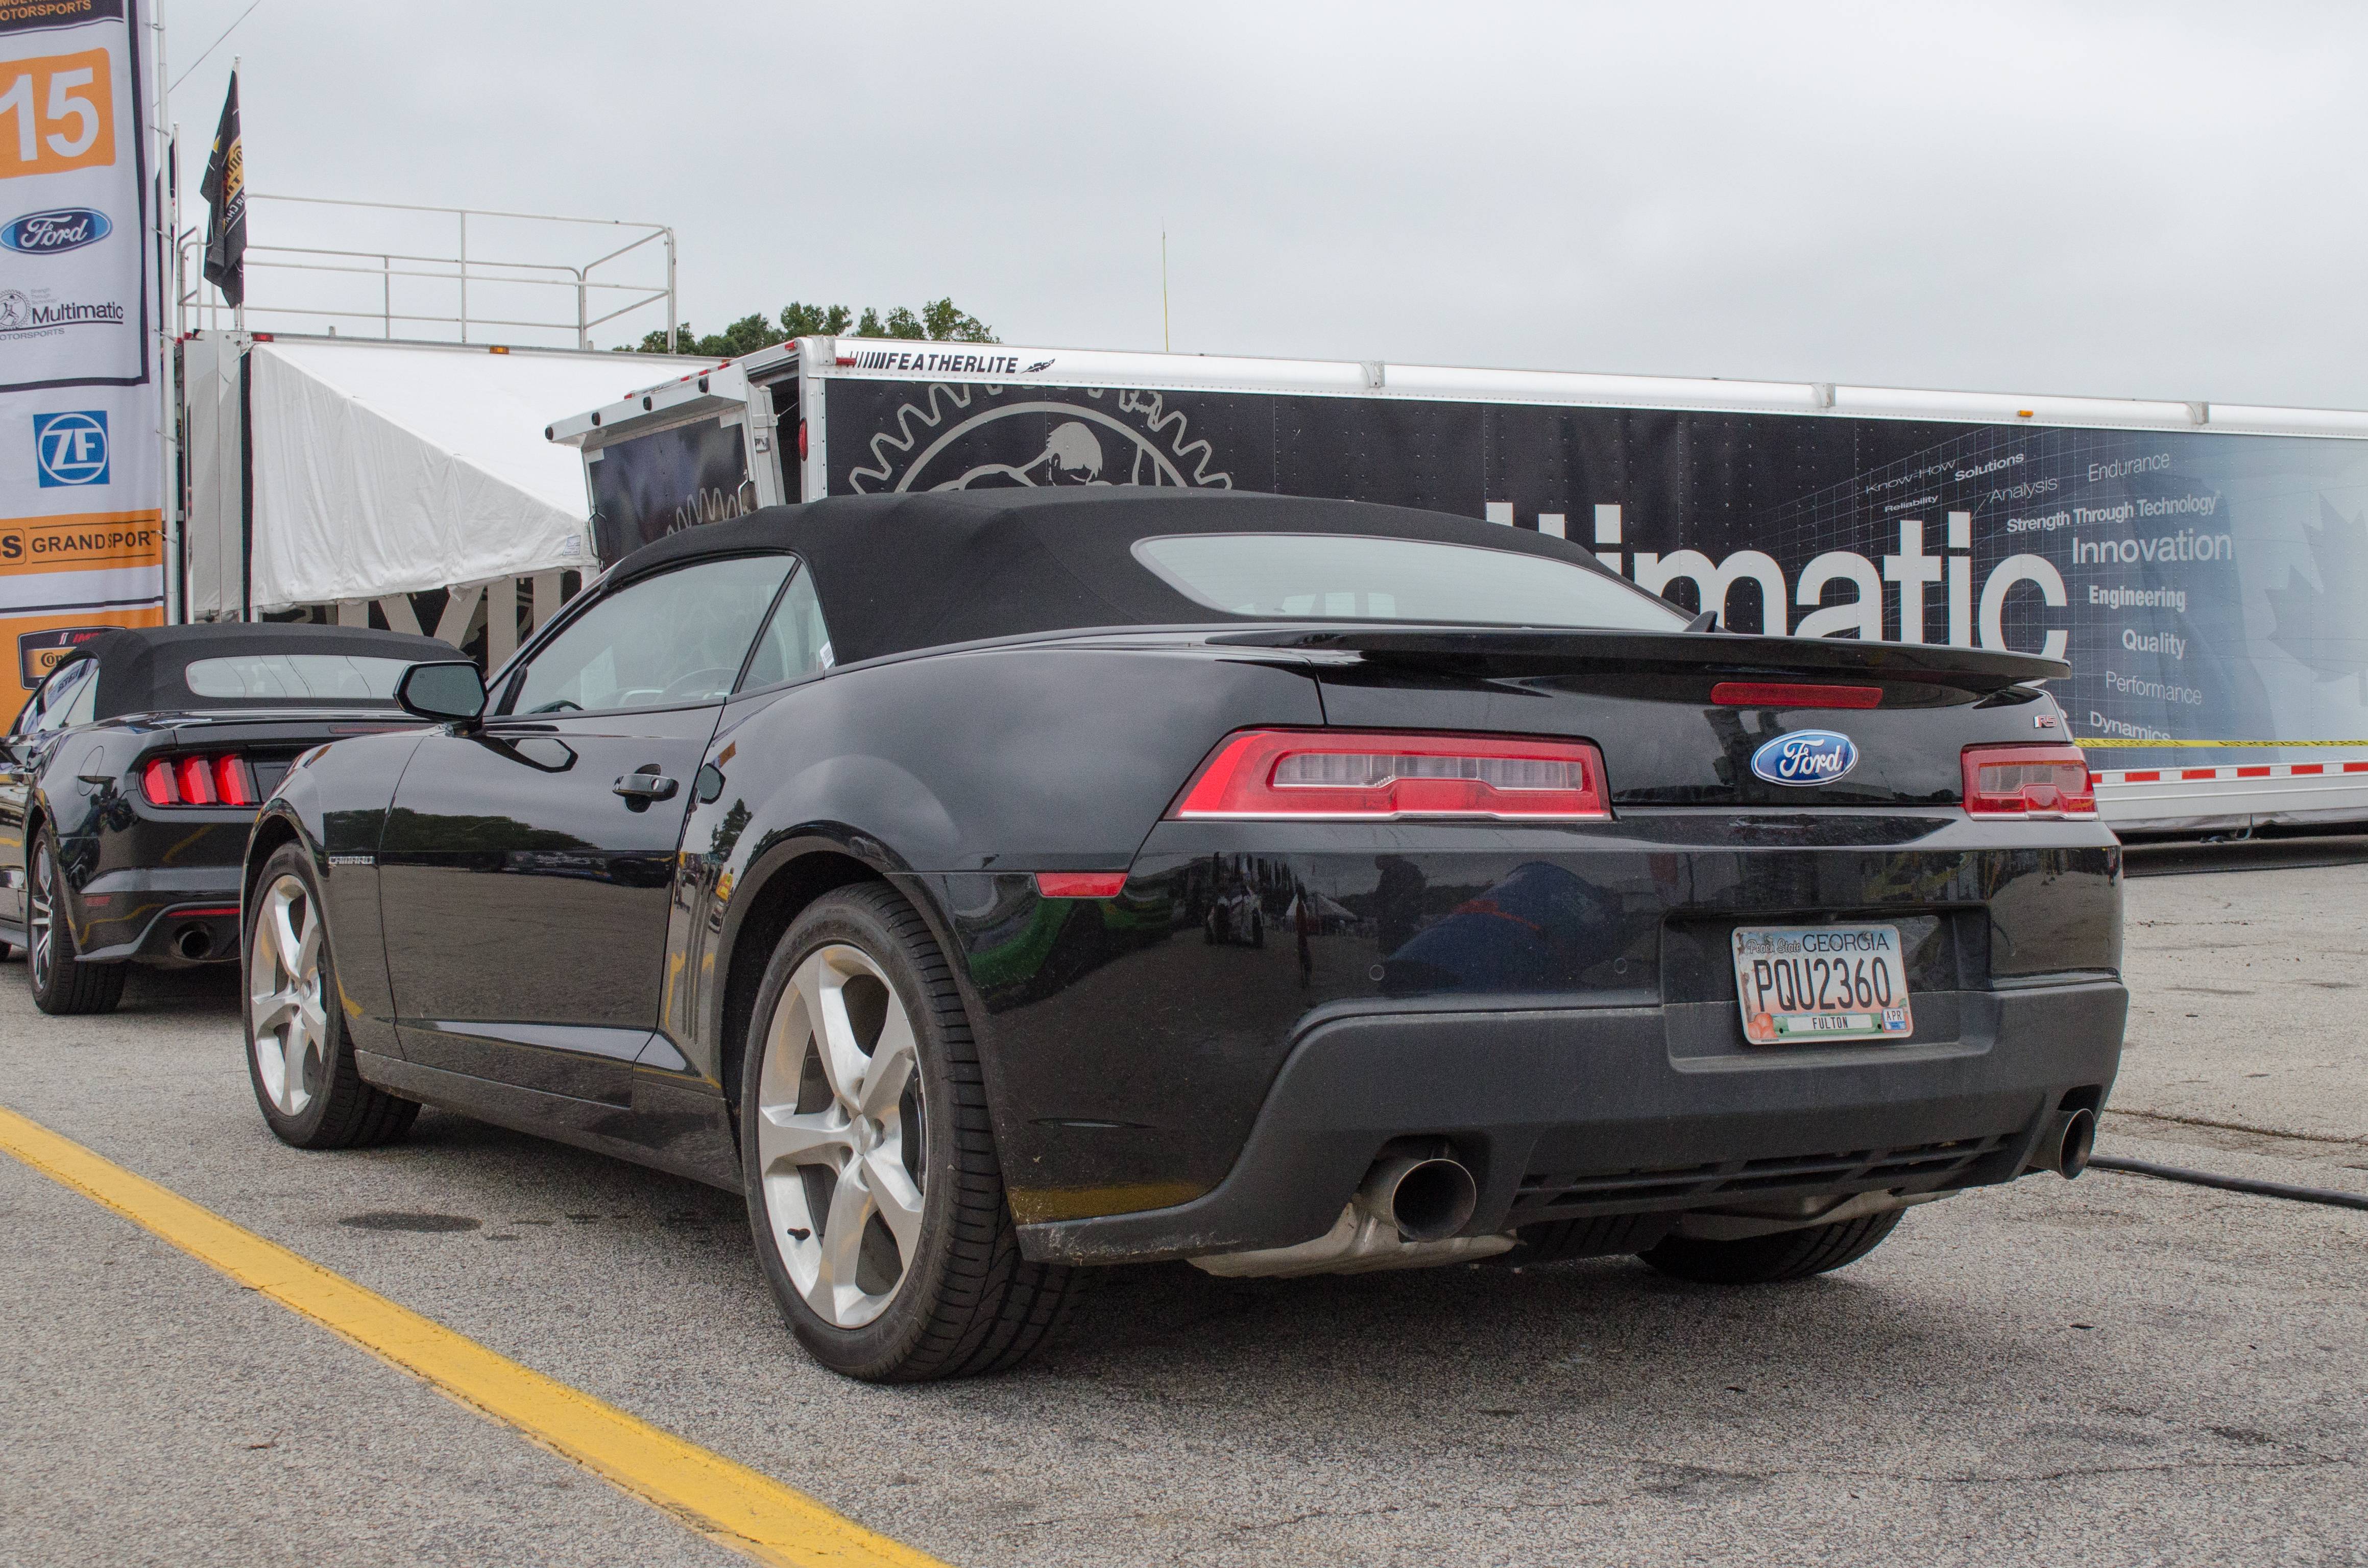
(958, 436)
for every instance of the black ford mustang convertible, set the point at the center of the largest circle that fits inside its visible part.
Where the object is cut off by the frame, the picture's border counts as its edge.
(131, 778)
(988, 885)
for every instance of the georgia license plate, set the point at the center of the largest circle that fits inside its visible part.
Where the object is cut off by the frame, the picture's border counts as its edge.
(1803, 983)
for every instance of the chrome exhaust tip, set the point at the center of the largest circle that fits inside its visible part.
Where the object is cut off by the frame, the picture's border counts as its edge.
(192, 942)
(1429, 1199)
(2073, 1140)
(2067, 1143)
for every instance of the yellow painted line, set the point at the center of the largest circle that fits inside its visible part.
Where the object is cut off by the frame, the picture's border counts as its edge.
(728, 1503)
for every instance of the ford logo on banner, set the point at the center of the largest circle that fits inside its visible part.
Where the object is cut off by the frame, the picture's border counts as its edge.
(56, 232)
(1805, 756)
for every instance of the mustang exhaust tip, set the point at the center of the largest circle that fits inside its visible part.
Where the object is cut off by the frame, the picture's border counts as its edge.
(2071, 1139)
(1427, 1199)
(193, 942)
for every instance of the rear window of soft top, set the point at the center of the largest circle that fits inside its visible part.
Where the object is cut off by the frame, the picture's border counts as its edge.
(1288, 576)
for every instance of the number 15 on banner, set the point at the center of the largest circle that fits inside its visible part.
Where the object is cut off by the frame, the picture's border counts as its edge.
(56, 113)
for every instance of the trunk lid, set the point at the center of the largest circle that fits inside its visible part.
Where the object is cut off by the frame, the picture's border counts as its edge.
(1646, 700)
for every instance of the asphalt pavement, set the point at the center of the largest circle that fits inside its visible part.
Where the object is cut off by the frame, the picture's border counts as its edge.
(2114, 1371)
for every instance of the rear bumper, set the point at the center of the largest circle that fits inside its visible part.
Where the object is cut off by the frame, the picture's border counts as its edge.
(1582, 1111)
(150, 910)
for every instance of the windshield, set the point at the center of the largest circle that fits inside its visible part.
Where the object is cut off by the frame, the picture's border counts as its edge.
(1358, 577)
(295, 677)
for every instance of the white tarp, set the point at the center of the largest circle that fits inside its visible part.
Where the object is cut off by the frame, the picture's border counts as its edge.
(384, 469)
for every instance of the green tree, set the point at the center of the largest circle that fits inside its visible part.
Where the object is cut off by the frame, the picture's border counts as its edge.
(938, 320)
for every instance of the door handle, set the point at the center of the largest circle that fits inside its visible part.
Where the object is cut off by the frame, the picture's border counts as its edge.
(644, 788)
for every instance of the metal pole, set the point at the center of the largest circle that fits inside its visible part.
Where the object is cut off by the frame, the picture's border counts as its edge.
(670, 301)
(386, 302)
(583, 329)
(168, 223)
(464, 277)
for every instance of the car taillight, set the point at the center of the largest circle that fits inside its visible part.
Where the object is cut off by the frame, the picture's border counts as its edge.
(233, 784)
(2029, 782)
(1782, 694)
(195, 774)
(193, 780)
(1363, 777)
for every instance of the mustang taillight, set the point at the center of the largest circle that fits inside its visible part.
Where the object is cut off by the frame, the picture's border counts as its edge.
(2029, 782)
(1353, 776)
(195, 781)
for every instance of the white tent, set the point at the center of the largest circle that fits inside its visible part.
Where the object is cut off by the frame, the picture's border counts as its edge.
(377, 469)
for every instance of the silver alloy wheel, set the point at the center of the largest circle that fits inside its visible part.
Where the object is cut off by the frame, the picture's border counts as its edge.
(41, 920)
(284, 1007)
(841, 1136)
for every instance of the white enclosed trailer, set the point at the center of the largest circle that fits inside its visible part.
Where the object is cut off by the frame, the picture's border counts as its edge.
(2203, 566)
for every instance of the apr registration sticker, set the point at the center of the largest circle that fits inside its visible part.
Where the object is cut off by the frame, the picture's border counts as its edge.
(1803, 983)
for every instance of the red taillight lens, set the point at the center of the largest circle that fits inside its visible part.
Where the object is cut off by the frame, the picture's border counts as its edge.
(196, 781)
(225, 780)
(1351, 776)
(233, 785)
(2029, 782)
(1774, 694)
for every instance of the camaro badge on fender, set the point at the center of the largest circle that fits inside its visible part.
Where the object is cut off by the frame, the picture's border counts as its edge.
(1805, 756)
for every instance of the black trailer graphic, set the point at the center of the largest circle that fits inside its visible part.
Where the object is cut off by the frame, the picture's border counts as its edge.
(2204, 582)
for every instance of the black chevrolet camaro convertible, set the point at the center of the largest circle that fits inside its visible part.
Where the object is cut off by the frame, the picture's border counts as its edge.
(988, 885)
(131, 778)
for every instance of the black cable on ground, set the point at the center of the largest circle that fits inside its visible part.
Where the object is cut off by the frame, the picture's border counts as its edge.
(2327, 1196)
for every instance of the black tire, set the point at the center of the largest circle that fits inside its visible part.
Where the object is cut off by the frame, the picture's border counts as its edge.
(337, 1108)
(1768, 1260)
(965, 1303)
(62, 982)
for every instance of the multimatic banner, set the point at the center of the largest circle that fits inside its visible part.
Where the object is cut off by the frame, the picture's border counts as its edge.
(81, 479)
(2204, 586)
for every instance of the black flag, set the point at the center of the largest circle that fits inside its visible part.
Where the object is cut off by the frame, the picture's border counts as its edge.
(225, 193)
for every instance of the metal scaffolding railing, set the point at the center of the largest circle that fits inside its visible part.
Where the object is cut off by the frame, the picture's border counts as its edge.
(365, 276)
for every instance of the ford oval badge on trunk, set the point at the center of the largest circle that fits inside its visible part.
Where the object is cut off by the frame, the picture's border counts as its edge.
(1805, 756)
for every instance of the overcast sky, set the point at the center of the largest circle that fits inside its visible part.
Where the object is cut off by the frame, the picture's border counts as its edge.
(2140, 199)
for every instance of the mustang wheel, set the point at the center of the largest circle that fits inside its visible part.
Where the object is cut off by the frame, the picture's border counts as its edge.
(1765, 1260)
(873, 1187)
(61, 982)
(297, 1050)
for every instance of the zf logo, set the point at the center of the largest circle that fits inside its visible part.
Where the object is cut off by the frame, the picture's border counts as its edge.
(71, 448)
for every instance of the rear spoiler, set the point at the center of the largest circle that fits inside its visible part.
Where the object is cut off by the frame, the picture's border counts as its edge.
(1509, 651)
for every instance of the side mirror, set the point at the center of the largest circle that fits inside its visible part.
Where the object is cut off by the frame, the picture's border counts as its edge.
(442, 691)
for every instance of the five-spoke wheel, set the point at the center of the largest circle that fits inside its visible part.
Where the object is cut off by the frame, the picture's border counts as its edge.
(873, 1186)
(298, 1052)
(842, 1135)
(286, 1019)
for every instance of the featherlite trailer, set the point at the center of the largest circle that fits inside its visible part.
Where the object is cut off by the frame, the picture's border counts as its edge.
(2202, 566)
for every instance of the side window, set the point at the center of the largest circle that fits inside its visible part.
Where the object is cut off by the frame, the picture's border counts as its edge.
(665, 641)
(83, 706)
(68, 696)
(794, 644)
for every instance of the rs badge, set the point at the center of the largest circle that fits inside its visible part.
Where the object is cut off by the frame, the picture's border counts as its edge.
(1805, 756)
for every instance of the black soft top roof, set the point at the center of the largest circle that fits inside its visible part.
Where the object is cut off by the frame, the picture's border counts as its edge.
(141, 669)
(897, 573)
